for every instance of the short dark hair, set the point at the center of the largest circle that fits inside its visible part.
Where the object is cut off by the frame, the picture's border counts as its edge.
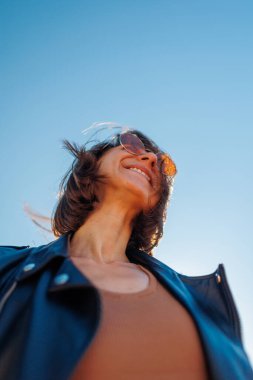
(77, 194)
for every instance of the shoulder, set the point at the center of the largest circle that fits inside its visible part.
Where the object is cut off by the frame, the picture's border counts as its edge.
(11, 255)
(14, 254)
(12, 248)
(8, 251)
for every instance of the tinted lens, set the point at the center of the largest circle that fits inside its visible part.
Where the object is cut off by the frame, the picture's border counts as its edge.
(166, 164)
(132, 143)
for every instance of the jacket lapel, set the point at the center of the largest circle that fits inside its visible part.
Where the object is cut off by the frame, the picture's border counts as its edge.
(225, 356)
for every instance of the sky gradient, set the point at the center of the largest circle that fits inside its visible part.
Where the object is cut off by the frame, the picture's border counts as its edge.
(181, 72)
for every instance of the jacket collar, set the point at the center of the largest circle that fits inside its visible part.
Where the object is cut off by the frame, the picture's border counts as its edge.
(57, 250)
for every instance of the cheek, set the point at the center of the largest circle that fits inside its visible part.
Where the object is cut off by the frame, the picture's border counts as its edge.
(105, 165)
(155, 199)
(158, 183)
(108, 168)
(158, 192)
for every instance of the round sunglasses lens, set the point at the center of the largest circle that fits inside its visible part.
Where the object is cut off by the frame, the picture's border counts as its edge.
(168, 167)
(132, 143)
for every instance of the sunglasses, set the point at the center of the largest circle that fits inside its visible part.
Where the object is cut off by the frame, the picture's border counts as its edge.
(132, 144)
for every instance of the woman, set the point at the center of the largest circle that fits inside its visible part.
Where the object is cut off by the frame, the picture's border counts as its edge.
(95, 303)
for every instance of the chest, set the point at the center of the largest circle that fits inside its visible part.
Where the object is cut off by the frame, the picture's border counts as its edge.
(120, 278)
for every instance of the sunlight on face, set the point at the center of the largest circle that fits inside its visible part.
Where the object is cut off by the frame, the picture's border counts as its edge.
(133, 179)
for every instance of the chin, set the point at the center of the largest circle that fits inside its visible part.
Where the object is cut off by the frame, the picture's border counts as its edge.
(144, 199)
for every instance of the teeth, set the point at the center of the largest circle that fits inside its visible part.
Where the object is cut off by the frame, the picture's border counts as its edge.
(141, 172)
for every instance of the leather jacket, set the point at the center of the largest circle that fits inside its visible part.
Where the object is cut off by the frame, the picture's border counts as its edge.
(50, 312)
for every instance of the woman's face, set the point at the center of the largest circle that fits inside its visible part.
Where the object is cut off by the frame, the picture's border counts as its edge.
(134, 179)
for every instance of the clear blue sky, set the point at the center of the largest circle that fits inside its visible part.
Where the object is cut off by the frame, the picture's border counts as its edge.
(180, 71)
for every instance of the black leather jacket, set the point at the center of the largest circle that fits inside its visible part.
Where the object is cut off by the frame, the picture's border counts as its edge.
(50, 312)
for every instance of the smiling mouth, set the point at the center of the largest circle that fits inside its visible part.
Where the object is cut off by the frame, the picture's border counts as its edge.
(141, 173)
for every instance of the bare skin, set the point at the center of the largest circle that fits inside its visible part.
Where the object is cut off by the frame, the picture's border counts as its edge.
(98, 246)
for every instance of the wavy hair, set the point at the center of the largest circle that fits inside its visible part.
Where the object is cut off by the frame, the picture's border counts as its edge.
(77, 195)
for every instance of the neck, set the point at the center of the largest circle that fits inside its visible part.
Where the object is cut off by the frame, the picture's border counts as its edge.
(104, 235)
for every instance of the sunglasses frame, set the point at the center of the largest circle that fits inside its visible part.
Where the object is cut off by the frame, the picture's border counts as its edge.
(159, 154)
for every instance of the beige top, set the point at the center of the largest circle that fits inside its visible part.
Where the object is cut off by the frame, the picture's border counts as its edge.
(144, 335)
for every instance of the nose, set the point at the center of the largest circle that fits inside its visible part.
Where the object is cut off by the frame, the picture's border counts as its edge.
(149, 156)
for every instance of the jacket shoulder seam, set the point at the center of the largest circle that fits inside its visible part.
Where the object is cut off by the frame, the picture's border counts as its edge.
(17, 247)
